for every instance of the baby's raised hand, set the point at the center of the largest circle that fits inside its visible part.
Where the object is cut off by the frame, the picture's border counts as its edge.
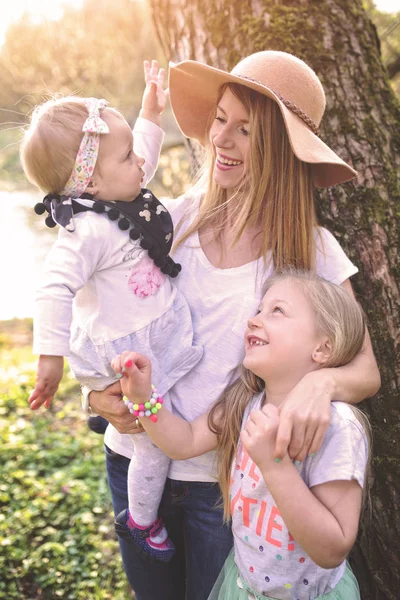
(259, 435)
(49, 374)
(135, 372)
(154, 96)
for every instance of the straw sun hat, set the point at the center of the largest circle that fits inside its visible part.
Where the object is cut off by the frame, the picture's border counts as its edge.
(194, 92)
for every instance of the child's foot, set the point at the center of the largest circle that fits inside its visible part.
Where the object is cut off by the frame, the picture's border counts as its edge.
(152, 541)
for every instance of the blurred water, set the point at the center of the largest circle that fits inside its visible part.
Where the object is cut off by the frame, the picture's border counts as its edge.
(24, 241)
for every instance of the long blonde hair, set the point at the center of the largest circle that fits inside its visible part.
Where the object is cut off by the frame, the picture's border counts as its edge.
(337, 316)
(51, 142)
(277, 196)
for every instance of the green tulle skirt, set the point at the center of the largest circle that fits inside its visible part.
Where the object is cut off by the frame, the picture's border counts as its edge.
(226, 587)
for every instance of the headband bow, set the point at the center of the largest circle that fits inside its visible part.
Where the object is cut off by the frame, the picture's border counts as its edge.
(94, 123)
(85, 161)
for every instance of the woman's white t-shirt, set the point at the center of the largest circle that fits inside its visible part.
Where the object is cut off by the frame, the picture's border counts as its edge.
(220, 301)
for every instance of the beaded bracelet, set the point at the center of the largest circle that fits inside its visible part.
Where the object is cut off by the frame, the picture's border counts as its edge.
(149, 408)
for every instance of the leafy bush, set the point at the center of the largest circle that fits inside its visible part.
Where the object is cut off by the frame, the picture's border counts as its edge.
(56, 529)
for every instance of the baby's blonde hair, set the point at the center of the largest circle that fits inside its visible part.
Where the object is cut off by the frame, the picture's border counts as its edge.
(51, 142)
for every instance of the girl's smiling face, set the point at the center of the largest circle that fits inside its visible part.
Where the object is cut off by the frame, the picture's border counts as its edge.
(230, 136)
(281, 339)
(118, 174)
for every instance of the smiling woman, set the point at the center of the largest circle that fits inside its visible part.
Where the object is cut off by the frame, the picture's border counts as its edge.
(251, 214)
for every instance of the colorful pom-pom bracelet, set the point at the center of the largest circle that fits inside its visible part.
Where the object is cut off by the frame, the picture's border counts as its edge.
(147, 409)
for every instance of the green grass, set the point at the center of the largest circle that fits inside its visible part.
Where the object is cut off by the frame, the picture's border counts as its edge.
(56, 527)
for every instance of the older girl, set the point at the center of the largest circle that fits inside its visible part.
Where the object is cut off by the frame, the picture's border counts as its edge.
(252, 213)
(293, 522)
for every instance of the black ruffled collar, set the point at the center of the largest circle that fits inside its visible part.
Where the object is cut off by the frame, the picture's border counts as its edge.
(144, 219)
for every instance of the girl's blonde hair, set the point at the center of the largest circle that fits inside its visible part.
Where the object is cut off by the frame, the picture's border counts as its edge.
(277, 195)
(337, 316)
(51, 142)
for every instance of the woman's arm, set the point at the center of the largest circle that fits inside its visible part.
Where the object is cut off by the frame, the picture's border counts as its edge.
(323, 519)
(173, 435)
(306, 412)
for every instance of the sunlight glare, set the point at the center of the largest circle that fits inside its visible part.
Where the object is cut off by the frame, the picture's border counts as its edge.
(38, 9)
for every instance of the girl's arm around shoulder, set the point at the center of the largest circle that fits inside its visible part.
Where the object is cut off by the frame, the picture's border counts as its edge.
(173, 435)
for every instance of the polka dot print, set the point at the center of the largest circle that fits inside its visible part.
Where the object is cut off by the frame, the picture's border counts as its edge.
(267, 579)
(251, 569)
(302, 559)
(288, 586)
(261, 548)
(246, 538)
(305, 581)
(278, 557)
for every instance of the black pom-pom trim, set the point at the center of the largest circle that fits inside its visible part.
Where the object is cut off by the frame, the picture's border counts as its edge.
(146, 244)
(39, 208)
(134, 234)
(123, 224)
(174, 273)
(113, 214)
(99, 208)
(160, 262)
(166, 269)
(178, 267)
(153, 253)
(49, 222)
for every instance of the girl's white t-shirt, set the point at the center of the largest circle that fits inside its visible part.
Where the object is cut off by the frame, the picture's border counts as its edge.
(221, 301)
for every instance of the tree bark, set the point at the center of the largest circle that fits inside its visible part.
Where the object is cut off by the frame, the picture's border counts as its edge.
(361, 123)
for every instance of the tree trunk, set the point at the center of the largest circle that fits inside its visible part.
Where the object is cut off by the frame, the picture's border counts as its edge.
(362, 123)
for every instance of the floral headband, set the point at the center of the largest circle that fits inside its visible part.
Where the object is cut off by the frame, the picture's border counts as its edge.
(86, 158)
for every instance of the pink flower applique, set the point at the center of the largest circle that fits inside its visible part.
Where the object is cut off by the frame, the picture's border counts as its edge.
(145, 279)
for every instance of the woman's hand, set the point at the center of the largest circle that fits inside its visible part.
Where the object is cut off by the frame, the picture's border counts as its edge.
(259, 435)
(154, 97)
(135, 370)
(305, 416)
(109, 404)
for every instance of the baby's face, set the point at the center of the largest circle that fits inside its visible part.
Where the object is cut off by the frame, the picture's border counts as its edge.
(118, 174)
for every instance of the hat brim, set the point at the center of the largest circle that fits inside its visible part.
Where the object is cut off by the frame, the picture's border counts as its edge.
(194, 90)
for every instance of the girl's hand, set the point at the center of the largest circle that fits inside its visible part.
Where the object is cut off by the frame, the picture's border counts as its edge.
(154, 96)
(305, 416)
(136, 376)
(259, 435)
(49, 374)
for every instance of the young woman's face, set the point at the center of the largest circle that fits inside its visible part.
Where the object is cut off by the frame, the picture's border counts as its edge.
(281, 339)
(230, 136)
(118, 173)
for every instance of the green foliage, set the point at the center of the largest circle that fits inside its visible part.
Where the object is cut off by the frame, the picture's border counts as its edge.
(56, 526)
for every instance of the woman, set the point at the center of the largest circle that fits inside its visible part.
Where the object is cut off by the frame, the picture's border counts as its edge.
(252, 213)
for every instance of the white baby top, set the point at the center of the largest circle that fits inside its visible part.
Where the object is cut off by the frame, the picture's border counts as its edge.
(85, 267)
